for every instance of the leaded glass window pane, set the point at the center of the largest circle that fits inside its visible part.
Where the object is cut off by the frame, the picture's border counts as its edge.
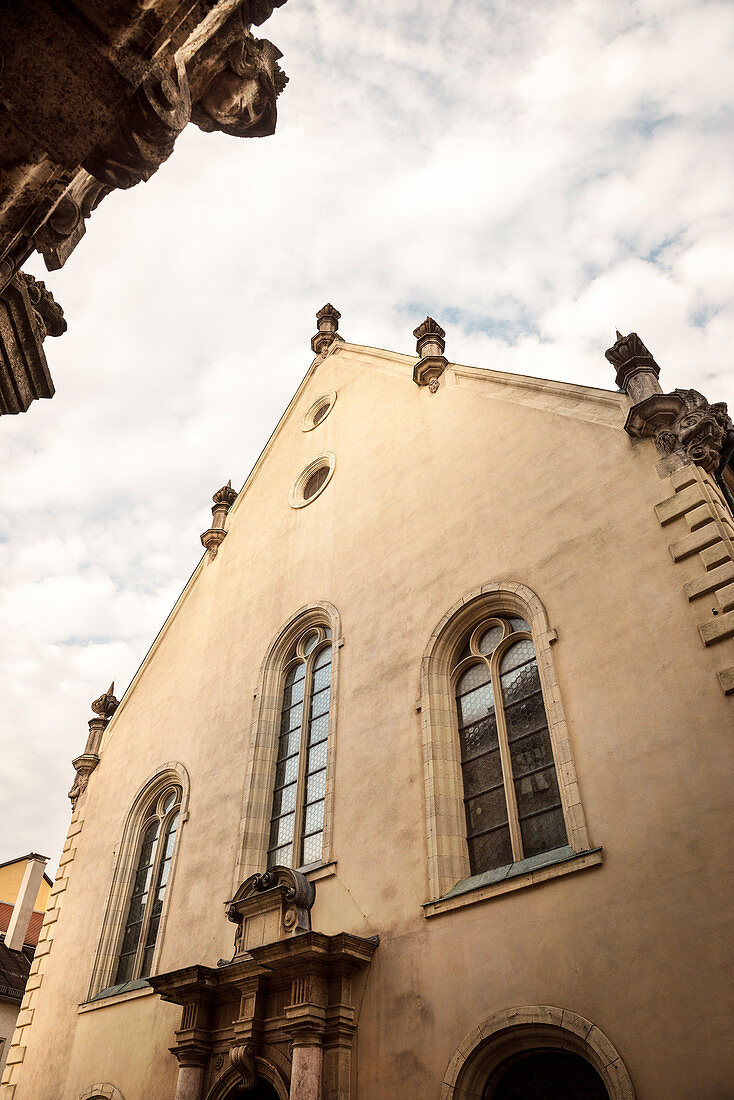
(146, 904)
(297, 821)
(506, 750)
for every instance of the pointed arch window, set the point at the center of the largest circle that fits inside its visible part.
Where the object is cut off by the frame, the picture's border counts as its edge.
(145, 905)
(297, 818)
(512, 801)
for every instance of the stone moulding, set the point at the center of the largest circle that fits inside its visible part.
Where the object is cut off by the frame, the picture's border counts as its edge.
(509, 1032)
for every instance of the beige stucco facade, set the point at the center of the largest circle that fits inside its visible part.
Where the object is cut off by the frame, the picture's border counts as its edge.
(493, 482)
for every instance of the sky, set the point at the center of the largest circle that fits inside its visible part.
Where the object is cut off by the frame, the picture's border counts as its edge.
(532, 175)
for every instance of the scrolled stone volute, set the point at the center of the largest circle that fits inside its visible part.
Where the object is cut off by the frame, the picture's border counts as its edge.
(637, 372)
(242, 1059)
(146, 133)
(430, 345)
(327, 323)
(279, 900)
(687, 429)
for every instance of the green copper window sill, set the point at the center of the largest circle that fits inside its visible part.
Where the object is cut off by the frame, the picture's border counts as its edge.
(502, 880)
(114, 993)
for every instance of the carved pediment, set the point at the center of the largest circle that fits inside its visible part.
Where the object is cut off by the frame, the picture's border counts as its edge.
(273, 906)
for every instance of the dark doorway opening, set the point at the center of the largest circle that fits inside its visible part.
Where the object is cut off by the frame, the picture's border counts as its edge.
(261, 1090)
(545, 1075)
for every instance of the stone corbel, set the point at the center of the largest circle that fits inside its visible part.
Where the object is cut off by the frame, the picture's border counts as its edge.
(242, 1059)
(65, 226)
(146, 133)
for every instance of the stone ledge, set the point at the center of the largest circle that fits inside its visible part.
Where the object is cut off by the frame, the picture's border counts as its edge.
(716, 630)
(129, 991)
(515, 876)
(726, 679)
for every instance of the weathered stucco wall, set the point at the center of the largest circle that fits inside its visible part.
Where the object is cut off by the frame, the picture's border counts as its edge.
(434, 495)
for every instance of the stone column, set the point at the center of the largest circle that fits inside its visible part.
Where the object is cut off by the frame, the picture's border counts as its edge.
(307, 1069)
(327, 323)
(306, 1023)
(190, 1083)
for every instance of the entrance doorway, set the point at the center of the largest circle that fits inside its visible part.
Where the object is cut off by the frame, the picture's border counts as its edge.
(261, 1090)
(545, 1075)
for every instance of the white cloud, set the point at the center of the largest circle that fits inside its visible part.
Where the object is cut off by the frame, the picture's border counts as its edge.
(534, 175)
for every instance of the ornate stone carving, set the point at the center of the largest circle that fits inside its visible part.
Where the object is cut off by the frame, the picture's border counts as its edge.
(327, 323)
(637, 371)
(223, 499)
(65, 226)
(243, 1060)
(269, 907)
(146, 133)
(684, 425)
(48, 313)
(430, 345)
(235, 81)
(28, 314)
(104, 707)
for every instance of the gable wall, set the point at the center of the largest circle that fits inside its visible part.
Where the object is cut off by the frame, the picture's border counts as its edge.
(433, 495)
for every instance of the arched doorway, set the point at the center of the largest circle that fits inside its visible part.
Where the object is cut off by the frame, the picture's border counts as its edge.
(537, 1051)
(261, 1090)
(549, 1074)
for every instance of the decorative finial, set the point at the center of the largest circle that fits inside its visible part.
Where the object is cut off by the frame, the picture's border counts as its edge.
(106, 705)
(327, 323)
(637, 371)
(430, 346)
(223, 499)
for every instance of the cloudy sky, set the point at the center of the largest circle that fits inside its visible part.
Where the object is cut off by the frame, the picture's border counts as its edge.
(533, 175)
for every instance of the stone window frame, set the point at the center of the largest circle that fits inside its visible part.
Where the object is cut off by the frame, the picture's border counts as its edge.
(329, 399)
(116, 904)
(447, 850)
(325, 460)
(260, 774)
(544, 1027)
(101, 1092)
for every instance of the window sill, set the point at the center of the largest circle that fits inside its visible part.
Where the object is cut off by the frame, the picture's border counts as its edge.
(316, 871)
(114, 994)
(528, 872)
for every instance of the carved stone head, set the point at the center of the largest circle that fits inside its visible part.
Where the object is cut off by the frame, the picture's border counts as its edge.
(235, 82)
(700, 429)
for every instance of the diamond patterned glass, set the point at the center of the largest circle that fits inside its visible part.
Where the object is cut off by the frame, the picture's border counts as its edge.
(146, 905)
(296, 825)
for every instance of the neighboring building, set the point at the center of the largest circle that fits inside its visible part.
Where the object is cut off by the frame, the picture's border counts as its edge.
(94, 96)
(24, 892)
(424, 788)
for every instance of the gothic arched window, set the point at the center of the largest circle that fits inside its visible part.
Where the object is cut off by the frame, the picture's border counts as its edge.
(142, 920)
(297, 818)
(136, 908)
(511, 797)
(501, 788)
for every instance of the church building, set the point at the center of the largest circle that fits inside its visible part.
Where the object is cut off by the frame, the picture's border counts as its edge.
(423, 789)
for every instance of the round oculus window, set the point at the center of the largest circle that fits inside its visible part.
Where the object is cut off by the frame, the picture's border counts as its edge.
(312, 481)
(318, 411)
